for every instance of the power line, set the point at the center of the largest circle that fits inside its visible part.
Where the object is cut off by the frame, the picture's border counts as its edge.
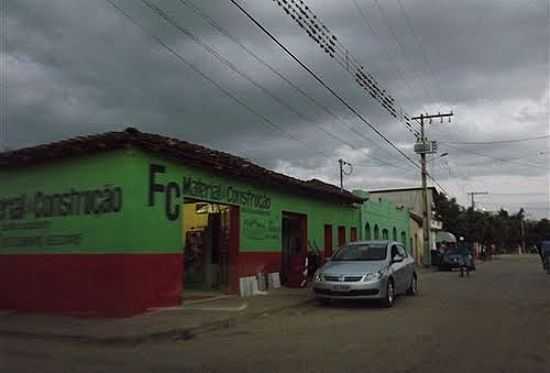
(396, 39)
(304, 94)
(234, 68)
(387, 56)
(231, 66)
(264, 119)
(503, 161)
(304, 16)
(338, 97)
(320, 81)
(517, 194)
(497, 141)
(420, 46)
(495, 158)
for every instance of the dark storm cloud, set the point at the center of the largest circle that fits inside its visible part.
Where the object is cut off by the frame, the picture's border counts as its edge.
(78, 67)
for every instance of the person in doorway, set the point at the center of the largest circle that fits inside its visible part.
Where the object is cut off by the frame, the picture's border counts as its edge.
(314, 259)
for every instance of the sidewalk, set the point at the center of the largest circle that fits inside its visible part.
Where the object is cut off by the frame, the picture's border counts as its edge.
(183, 322)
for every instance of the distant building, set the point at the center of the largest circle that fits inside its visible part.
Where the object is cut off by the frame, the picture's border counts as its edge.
(381, 219)
(411, 198)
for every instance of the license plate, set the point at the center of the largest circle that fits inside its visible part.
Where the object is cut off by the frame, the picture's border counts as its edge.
(341, 287)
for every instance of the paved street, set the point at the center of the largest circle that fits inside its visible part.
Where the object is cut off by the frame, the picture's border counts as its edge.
(498, 320)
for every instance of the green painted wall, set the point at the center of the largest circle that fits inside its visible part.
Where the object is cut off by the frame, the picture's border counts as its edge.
(71, 206)
(384, 214)
(129, 202)
(261, 208)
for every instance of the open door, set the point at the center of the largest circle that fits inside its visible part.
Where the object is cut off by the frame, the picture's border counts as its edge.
(294, 250)
(341, 236)
(210, 233)
(353, 234)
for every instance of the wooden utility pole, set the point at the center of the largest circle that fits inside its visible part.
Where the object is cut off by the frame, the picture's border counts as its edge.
(423, 147)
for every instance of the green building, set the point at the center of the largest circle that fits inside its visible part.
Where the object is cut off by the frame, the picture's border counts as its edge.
(120, 222)
(381, 219)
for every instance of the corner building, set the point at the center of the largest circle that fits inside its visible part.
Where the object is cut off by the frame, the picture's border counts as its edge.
(117, 223)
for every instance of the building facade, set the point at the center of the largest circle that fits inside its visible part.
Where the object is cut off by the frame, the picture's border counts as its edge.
(417, 237)
(381, 219)
(411, 198)
(117, 223)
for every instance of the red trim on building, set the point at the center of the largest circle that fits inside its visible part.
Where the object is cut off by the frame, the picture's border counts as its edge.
(341, 236)
(353, 234)
(328, 241)
(114, 285)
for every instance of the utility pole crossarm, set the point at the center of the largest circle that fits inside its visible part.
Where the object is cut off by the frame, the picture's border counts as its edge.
(432, 116)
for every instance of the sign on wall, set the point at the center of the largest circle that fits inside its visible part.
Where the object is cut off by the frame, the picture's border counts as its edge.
(260, 225)
(25, 219)
(173, 192)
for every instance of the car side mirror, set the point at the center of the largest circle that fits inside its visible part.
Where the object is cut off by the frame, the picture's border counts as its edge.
(397, 259)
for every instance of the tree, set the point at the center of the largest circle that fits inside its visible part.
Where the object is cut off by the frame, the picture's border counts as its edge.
(500, 228)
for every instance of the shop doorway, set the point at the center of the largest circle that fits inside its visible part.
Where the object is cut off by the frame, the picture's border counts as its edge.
(294, 249)
(353, 234)
(341, 236)
(209, 235)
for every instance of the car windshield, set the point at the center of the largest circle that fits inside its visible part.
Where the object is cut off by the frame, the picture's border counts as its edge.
(363, 252)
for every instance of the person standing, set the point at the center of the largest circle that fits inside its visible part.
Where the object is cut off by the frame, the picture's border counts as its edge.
(544, 252)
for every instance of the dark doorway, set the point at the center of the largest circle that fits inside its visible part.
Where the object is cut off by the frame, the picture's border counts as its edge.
(328, 241)
(353, 234)
(341, 236)
(294, 250)
(208, 231)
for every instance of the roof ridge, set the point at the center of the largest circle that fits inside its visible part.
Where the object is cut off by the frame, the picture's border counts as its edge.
(180, 150)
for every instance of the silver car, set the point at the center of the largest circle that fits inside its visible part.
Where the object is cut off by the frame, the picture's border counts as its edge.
(367, 270)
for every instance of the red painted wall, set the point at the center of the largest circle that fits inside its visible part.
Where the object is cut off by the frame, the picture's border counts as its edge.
(353, 234)
(341, 235)
(113, 285)
(249, 264)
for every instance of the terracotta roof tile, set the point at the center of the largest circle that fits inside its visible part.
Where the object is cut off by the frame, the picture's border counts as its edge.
(177, 150)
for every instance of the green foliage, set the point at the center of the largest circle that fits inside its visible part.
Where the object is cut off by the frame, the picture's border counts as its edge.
(501, 228)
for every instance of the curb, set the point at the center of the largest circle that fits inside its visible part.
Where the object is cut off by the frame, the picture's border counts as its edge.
(182, 334)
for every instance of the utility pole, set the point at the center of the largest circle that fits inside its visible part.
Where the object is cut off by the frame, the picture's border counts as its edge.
(343, 172)
(423, 147)
(473, 194)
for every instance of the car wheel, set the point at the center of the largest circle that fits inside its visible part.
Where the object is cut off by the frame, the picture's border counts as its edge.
(390, 294)
(413, 287)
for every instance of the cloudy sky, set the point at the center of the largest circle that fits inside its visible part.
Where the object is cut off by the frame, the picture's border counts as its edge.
(210, 76)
